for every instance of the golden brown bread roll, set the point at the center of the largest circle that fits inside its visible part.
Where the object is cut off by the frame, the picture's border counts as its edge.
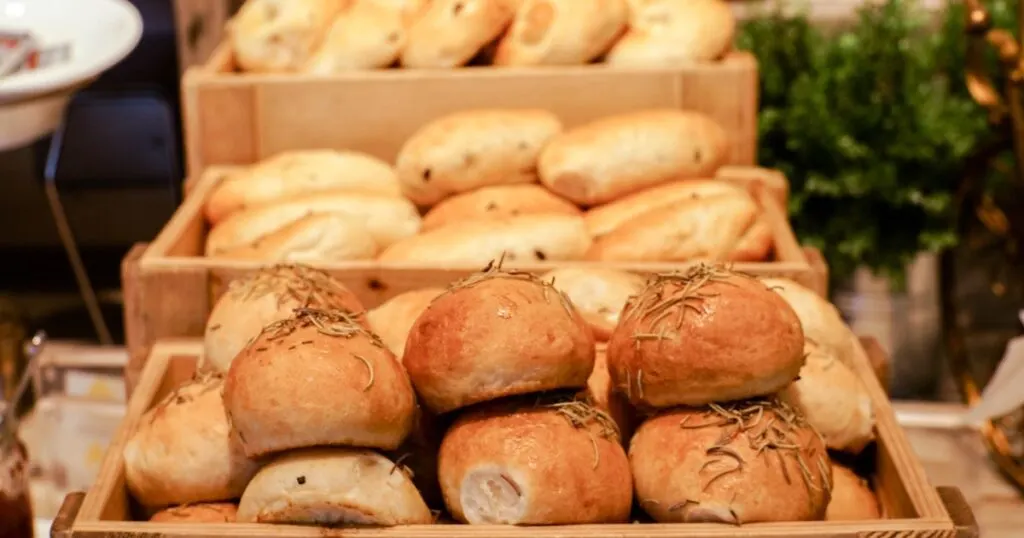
(496, 334)
(598, 294)
(449, 33)
(183, 450)
(606, 218)
(822, 323)
(619, 155)
(333, 486)
(495, 203)
(279, 35)
(197, 513)
(601, 394)
(852, 498)
(318, 237)
(367, 35)
(318, 378)
(742, 462)
(523, 464)
(754, 178)
(294, 173)
(548, 237)
(706, 335)
(472, 149)
(265, 297)
(393, 319)
(562, 32)
(675, 32)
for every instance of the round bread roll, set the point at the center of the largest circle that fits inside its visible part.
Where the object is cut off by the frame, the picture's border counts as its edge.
(562, 32)
(333, 486)
(183, 450)
(603, 396)
(268, 296)
(318, 378)
(393, 319)
(197, 513)
(706, 335)
(367, 35)
(318, 237)
(820, 320)
(279, 35)
(522, 463)
(449, 33)
(495, 334)
(741, 462)
(834, 401)
(852, 498)
(495, 203)
(675, 32)
(599, 294)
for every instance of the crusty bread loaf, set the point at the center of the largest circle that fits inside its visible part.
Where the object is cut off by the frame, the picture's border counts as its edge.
(530, 237)
(753, 178)
(726, 228)
(608, 217)
(675, 32)
(822, 323)
(449, 33)
(318, 237)
(279, 35)
(562, 32)
(497, 334)
(387, 218)
(265, 297)
(393, 319)
(318, 378)
(333, 486)
(472, 149)
(197, 513)
(706, 335)
(495, 203)
(619, 155)
(742, 462)
(294, 173)
(598, 294)
(367, 35)
(526, 464)
(183, 450)
(852, 498)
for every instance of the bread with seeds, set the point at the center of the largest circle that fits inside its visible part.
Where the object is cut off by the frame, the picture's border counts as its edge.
(496, 203)
(449, 33)
(274, 36)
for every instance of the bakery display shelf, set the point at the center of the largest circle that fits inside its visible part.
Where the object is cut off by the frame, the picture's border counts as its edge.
(241, 118)
(912, 507)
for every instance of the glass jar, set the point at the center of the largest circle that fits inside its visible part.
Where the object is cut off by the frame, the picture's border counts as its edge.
(15, 502)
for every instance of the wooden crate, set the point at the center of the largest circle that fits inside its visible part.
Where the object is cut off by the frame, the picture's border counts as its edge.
(913, 508)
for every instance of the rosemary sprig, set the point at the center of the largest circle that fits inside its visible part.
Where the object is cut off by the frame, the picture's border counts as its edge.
(297, 283)
(582, 415)
(494, 270)
(335, 323)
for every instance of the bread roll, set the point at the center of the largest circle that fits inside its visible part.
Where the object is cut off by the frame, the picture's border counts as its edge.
(318, 237)
(675, 32)
(606, 218)
(472, 149)
(183, 450)
(598, 294)
(333, 486)
(449, 33)
(562, 32)
(263, 298)
(727, 227)
(822, 323)
(619, 155)
(556, 463)
(834, 401)
(279, 35)
(496, 203)
(197, 513)
(526, 238)
(601, 394)
(706, 335)
(852, 499)
(754, 178)
(388, 219)
(318, 378)
(393, 319)
(409, 9)
(742, 462)
(367, 35)
(497, 334)
(294, 173)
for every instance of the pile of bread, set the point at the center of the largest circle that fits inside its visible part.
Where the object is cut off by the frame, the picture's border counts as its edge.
(473, 186)
(717, 397)
(334, 36)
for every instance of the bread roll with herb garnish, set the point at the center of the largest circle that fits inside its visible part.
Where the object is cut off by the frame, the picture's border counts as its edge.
(183, 450)
(197, 513)
(495, 203)
(494, 334)
(821, 321)
(318, 378)
(535, 461)
(268, 296)
(706, 335)
(852, 498)
(597, 293)
(741, 462)
(333, 486)
(393, 319)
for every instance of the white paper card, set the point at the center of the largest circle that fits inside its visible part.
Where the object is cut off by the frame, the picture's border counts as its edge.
(1005, 391)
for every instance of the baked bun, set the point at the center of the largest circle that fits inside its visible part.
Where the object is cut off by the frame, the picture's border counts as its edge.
(852, 498)
(449, 33)
(279, 35)
(183, 450)
(318, 378)
(741, 462)
(197, 513)
(333, 486)
(495, 203)
(268, 296)
(326, 236)
(601, 394)
(675, 32)
(820, 320)
(755, 178)
(496, 334)
(706, 335)
(597, 293)
(562, 32)
(393, 319)
(523, 463)
(834, 401)
(367, 35)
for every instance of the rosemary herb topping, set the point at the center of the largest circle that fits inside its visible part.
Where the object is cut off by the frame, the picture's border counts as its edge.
(337, 323)
(582, 415)
(495, 270)
(292, 282)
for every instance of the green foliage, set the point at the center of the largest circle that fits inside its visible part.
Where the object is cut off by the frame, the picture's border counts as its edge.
(872, 125)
